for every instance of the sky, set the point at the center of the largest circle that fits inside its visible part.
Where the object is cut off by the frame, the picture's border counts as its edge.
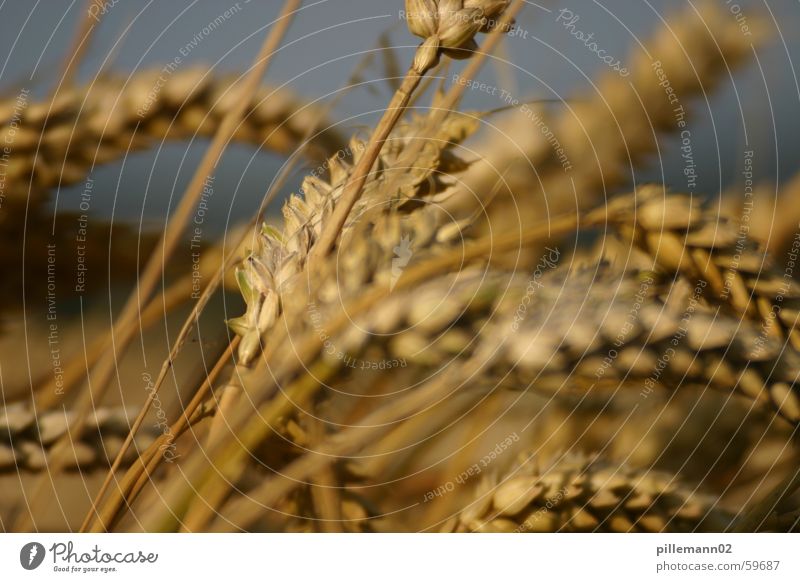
(329, 38)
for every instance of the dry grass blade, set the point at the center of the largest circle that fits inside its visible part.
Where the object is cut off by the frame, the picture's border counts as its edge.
(87, 23)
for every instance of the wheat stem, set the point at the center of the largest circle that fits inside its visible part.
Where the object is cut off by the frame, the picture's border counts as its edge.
(80, 42)
(352, 190)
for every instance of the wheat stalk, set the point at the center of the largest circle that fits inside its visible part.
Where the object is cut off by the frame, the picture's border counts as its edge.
(101, 518)
(551, 345)
(448, 26)
(272, 252)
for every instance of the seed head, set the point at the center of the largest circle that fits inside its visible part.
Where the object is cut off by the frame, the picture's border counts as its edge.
(491, 11)
(427, 54)
(457, 28)
(452, 24)
(421, 16)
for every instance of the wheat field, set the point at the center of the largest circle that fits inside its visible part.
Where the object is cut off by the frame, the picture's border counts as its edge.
(451, 319)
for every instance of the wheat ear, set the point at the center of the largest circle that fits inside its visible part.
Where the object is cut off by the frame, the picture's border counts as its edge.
(28, 438)
(684, 236)
(58, 141)
(566, 161)
(577, 493)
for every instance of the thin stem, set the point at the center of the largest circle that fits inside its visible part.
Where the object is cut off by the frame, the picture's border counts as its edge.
(400, 100)
(352, 190)
(45, 394)
(80, 42)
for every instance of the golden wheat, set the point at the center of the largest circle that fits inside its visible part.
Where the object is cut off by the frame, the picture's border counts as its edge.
(372, 304)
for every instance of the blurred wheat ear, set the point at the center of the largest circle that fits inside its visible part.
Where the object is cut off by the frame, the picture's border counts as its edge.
(579, 494)
(62, 138)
